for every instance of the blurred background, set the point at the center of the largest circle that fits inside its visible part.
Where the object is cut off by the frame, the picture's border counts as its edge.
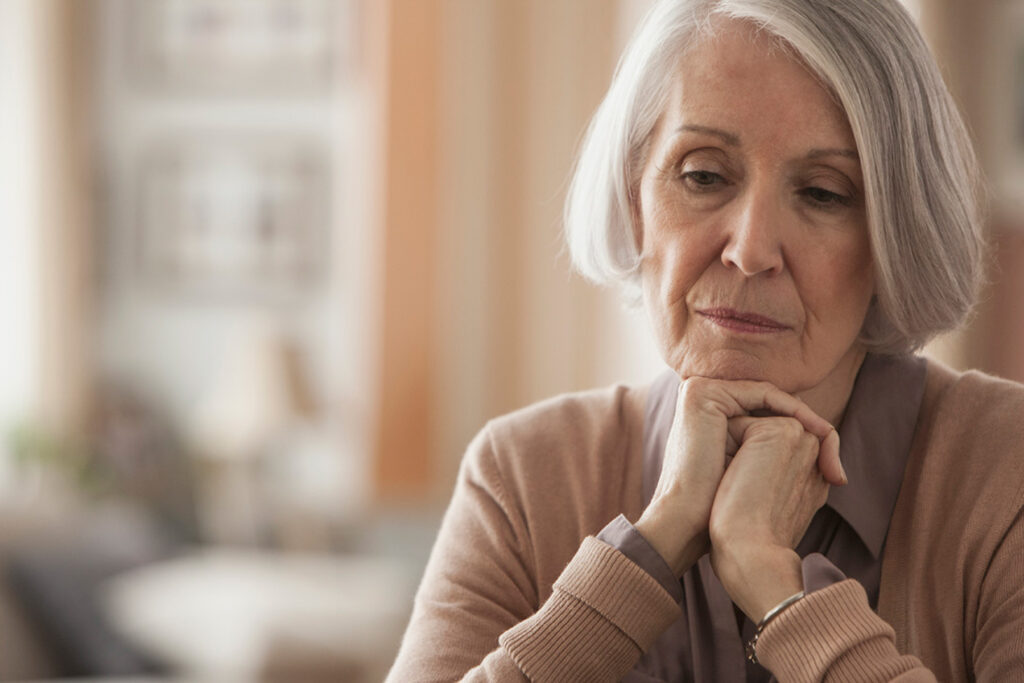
(266, 266)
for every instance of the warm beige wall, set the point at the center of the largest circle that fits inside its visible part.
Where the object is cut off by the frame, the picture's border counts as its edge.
(971, 44)
(506, 322)
(952, 30)
(520, 81)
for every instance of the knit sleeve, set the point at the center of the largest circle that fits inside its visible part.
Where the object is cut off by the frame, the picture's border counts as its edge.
(833, 635)
(476, 615)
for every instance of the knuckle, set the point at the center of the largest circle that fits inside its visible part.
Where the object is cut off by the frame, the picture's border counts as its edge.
(809, 442)
(789, 428)
(693, 386)
(694, 391)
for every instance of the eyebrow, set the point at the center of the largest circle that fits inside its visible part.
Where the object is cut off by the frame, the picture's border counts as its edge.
(734, 141)
(834, 152)
(729, 138)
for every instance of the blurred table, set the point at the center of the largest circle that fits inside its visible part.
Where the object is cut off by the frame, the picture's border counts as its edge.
(234, 614)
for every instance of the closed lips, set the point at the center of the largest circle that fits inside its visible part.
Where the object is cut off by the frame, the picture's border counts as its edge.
(727, 315)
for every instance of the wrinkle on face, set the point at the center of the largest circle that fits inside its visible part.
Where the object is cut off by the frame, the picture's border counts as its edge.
(756, 118)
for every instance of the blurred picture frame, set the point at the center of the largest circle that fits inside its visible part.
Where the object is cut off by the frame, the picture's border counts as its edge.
(240, 46)
(234, 217)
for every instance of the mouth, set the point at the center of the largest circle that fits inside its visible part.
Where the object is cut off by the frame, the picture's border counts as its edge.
(739, 321)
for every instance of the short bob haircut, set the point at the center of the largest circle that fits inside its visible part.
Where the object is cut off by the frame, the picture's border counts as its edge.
(922, 182)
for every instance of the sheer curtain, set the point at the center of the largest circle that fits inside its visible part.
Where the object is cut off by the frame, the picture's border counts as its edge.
(45, 245)
(20, 205)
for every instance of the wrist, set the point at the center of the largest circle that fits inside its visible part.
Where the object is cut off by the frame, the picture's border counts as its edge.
(758, 577)
(679, 543)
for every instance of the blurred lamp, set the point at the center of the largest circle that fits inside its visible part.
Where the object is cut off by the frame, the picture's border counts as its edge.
(257, 397)
(249, 409)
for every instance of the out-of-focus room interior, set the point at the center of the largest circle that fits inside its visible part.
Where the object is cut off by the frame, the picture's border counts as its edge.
(268, 265)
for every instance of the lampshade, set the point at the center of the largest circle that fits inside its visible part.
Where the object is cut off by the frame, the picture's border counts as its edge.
(258, 393)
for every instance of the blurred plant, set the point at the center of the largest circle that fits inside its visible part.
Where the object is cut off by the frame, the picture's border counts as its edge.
(126, 452)
(72, 458)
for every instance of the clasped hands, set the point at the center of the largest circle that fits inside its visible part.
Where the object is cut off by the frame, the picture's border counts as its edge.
(746, 466)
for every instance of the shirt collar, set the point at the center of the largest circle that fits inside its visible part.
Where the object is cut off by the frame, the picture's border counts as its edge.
(875, 437)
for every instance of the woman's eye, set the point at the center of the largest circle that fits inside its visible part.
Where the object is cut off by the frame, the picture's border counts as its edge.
(702, 179)
(825, 198)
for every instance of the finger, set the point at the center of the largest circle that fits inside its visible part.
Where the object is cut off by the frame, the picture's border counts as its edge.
(736, 428)
(741, 427)
(829, 463)
(749, 396)
(734, 434)
(745, 396)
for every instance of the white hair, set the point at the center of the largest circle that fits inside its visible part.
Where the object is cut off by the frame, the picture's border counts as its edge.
(921, 176)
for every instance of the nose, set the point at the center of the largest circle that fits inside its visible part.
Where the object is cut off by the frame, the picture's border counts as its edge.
(754, 240)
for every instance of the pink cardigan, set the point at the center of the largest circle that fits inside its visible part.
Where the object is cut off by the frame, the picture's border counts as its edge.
(518, 589)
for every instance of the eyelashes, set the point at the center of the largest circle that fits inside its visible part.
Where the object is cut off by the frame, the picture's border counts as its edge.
(826, 198)
(702, 180)
(707, 182)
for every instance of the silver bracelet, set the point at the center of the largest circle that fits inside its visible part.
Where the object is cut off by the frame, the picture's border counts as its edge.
(772, 613)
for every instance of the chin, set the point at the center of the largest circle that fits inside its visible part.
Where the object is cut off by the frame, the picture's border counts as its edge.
(732, 364)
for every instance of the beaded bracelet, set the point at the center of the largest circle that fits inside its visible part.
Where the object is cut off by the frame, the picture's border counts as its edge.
(772, 613)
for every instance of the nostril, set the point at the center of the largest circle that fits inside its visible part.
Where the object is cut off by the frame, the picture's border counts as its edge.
(753, 234)
(753, 257)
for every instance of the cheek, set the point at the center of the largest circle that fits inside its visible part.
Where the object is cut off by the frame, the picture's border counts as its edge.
(670, 274)
(857, 272)
(841, 286)
(674, 255)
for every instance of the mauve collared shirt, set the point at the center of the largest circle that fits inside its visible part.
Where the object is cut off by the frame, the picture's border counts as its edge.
(845, 539)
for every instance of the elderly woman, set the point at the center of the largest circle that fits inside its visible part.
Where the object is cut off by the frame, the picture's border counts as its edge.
(788, 186)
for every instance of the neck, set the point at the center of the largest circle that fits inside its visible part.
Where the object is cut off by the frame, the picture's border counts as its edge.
(829, 397)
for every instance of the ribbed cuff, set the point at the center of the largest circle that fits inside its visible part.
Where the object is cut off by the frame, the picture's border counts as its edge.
(605, 611)
(830, 629)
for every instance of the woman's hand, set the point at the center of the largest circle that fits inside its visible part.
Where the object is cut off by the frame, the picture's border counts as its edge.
(763, 506)
(677, 520)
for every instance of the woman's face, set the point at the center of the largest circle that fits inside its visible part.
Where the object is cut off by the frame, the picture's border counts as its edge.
(756, 257)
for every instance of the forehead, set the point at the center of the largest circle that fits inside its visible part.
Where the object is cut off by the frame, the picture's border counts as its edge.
(738, 78)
